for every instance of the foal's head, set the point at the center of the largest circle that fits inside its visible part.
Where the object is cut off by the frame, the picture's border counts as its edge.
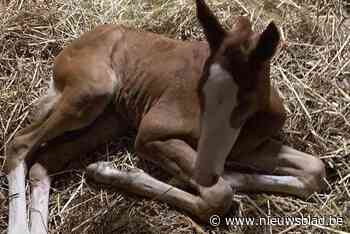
(234, 85)
(238, 68)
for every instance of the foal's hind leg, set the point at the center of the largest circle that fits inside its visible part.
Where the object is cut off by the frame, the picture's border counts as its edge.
(76, 108)
(16, 177)
(273, 167)
(267, 164)
(62, 150)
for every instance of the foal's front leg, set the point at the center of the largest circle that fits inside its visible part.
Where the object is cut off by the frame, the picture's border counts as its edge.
(177, 158)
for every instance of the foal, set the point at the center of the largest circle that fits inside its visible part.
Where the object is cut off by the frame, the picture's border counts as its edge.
(195, 105)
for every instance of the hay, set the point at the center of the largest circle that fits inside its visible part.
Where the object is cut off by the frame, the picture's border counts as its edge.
(312, 72)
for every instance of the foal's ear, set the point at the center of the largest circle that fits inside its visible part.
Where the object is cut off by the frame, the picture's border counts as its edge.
(267, 44)
(213, 30)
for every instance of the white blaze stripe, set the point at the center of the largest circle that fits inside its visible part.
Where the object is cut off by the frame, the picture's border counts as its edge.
(217, 135)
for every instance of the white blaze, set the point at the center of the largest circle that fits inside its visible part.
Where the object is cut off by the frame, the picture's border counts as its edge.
(217, 135)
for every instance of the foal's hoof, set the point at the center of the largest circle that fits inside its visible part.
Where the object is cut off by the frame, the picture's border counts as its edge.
(95, 170)
(214, 200)
(104, 172)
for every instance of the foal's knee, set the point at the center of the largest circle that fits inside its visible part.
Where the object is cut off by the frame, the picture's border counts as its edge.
(15, 153)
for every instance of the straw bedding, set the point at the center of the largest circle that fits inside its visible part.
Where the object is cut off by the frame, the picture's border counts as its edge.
(311, 71)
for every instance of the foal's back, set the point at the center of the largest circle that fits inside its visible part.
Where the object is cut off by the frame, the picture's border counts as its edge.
(145, 69)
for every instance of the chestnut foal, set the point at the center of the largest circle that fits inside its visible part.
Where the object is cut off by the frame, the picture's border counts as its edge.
(195, 105)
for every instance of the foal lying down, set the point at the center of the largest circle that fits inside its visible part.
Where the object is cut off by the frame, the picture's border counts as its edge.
(195, 106)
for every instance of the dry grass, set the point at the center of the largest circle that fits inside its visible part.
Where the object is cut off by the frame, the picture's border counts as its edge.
(312, 71)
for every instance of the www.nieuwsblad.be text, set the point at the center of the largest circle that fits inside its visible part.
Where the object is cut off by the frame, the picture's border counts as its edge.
(216, 220)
